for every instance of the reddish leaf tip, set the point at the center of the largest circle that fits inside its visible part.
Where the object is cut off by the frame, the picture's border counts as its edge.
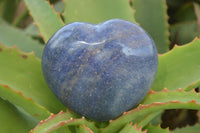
(165, 90)
(193, 101)
(41, 121)
(180, 89)
(151, 91)
(41, 35)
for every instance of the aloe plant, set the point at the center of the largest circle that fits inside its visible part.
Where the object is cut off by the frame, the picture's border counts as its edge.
(28, 105)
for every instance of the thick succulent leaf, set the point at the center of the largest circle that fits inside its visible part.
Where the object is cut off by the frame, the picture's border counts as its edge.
(60, 120)
(59, 6)
(197, 13)
(183, 32)
(26, 103)
(188, 129)
(179, 68)
(12, 120)
(185, 13)
(166, 96)
(193, 86)
(129, 128)
(32, 30)
(8, 9)
(143, 110)
(149, 118)
(22, 72)
(96, 11)
(47, 20)
(11, 36)
(84, 129)
(156, 129)
(152, 16)
(181, 100)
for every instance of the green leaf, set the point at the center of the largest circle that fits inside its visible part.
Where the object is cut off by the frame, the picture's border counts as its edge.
(26, 103)
(60, 120)
(45, 17)
(197, 13)
(129, 128)
(184, 32)
(166, 96)
(156, 129)
(193, 86)
(155, 102)
(8, 9)
(188, 129)
(11, 36)
(141, 111)
(84, 129)
(152, 16)
(179, 68)
(22, 72)
(32, 30)
(148, 118)
(185, 13)
(59, 6)
(96, 11)
(13, 121)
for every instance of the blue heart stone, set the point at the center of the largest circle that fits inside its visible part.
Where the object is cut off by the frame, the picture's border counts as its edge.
(100, 71)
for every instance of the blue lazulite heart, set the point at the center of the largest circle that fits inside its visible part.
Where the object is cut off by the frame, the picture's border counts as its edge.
(100, 71)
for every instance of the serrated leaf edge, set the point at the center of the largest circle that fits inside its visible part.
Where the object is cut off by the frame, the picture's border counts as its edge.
(20, 52)
(61, 123)
(30, 100)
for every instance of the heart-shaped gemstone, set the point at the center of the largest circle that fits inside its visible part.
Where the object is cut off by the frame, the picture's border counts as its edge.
(100, 71)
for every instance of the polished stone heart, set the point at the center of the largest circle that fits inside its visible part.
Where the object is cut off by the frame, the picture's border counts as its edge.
(100, 71)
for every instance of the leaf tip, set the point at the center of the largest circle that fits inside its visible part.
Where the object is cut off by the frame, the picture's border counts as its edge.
(151, 91)
(180, 89)
(165, 90)
(31, 131)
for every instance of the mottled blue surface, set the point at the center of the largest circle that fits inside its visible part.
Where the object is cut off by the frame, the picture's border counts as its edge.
(100, 71)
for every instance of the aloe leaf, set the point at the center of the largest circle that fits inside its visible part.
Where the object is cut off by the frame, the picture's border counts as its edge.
(156, 129)
(167, 95)
(179, 68)
(12, 120)
(143, 110)
(197, 13)
(183, 32)
(8, 9)
(22, 72)
(59, 6)
(96, 11)
(26, 103)
(11, 36)
(188, 129)
(84, 129)
(47, 20)
(60, 120)
(148, 118)
(32, 30)
(154, 102)
(193, 86)
(129, 128)
(152, 16)
(185, 13)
